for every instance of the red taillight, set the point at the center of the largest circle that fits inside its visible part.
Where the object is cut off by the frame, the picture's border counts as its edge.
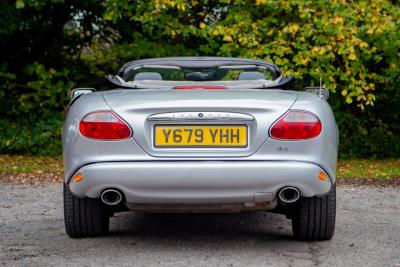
(199, 87)
(297, 124)
(104, 125)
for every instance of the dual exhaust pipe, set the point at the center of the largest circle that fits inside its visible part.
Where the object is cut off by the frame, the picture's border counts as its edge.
(289, 195)
(111, 197)
(286, 195)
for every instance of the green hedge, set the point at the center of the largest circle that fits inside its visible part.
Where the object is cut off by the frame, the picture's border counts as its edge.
(38, 136)
(373, 132)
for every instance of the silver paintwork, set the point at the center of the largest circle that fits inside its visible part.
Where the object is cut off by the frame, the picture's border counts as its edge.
(235, 67)
(200, 182)
(136, 106)
(158, 67)
(188, 116)
(234, 174)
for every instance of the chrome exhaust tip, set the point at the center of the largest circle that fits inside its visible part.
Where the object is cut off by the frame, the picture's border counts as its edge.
(289, 194)
(111, 197)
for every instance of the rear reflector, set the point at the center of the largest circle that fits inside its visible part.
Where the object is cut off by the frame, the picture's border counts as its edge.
(295, 125)
(199, 87)
(104, 125)
(78, 178)
(322, 176)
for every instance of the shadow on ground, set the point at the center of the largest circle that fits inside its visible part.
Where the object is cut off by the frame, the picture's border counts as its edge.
(202, 226)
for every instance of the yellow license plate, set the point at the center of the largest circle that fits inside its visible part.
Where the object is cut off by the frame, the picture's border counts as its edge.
(200, 136)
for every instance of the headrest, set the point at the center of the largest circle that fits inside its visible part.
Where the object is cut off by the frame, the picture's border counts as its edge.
(148, 76)
(251, 75)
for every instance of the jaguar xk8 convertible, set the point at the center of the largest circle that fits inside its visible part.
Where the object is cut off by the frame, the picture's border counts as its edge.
(200, 134)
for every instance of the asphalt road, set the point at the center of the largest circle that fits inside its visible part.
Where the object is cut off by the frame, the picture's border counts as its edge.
(32, 233)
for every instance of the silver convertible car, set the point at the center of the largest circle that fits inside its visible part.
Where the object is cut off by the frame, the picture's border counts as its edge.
(200, 134)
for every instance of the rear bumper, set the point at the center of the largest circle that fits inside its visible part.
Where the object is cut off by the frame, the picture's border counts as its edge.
(200, 182)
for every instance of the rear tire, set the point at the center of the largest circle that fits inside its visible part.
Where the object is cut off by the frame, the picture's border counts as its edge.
(84, 217)
(314, 218)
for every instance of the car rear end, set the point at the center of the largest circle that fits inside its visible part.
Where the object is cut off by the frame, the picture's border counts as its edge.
(200, 147)
(199, 151)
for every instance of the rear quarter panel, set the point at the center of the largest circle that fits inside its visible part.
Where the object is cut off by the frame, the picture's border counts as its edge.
(322, 150)
(79, 150)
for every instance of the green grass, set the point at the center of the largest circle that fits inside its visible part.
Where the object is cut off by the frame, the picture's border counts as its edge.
(17, 164)
(347, 169)
(366, 168)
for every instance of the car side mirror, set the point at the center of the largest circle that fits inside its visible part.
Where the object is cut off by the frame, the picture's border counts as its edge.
(321, 92)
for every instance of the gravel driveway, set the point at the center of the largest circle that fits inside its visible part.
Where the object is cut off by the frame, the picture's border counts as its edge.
(32, 233)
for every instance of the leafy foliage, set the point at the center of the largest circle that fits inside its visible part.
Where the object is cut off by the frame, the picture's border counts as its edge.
(32, 134)
(50, 46)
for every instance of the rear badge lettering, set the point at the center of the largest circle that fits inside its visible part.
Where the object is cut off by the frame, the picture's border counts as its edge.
(282, 149)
